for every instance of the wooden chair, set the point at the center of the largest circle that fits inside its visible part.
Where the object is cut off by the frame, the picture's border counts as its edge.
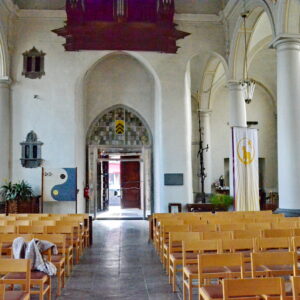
(8, 218)
(164, 237)
(28, 217)
(11, 267)
(285, 225)
(159, 232)
(257, 226)
(273, 244)
(6, 241)
(174, 241)
(33, 229)
(44, 223)
(218, 266)
(19, 223)
(190, 267)
(175, 253)
(40, 279)
(274, 264)
(295, 280)
(217, 235)
(86, 227)
(58, 260)
(243, 246)
(246, 234)
(78, 236)
(203, 227)
(68, 232)
(253, 288)
(274, 233)
(230, 227)
(51, 218)
(8, 229)
(3, 222)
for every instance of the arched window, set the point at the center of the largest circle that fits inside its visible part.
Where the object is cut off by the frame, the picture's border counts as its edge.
(120, 127)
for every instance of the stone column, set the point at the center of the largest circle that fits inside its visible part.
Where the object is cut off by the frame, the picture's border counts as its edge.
(237, 117)
(205, 124)
(288, 123)
(4, 129)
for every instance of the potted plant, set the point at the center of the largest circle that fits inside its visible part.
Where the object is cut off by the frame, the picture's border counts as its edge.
(15, 193)
(221, 202)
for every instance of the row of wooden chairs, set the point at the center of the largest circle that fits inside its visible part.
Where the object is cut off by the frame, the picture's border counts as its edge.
(237, 234)
(225, 232)
(195, 221)
(192, 244)
(69, 233)
(216, 267)
(59, 260)
(45, 220)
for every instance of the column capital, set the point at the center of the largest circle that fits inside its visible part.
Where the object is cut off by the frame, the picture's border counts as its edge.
(234, 85)
(5, 81)
(290, 41)
(205, 112)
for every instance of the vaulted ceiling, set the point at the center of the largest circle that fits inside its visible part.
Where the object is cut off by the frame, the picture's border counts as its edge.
(182, 6)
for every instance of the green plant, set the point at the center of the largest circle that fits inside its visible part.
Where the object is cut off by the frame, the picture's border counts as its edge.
(23, 191)
(16, 191)
(221, 200)
(7, 191)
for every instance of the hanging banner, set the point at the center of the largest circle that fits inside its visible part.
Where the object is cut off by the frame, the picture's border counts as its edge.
(245, 168)
(59, 184)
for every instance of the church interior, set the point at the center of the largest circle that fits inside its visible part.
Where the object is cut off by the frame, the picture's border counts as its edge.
(148, 149)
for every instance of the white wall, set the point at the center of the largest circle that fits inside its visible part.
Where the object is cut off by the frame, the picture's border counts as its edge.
(261, 109)
(120, 79)
(59, 118)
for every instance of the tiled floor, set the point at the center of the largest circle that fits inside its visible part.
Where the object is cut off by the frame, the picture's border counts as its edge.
(115, 212)
(121, 264)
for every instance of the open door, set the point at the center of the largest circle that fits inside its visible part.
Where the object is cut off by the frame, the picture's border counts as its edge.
(103, 186)
(130, 183)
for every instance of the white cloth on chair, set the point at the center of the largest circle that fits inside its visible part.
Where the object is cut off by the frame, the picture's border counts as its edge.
(33, 251)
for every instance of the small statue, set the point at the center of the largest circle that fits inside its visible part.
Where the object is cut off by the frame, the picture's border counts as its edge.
(221, 181)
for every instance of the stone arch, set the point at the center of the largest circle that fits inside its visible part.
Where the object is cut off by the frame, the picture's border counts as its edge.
(101, 131)
(3, 56)
(256, 8)
(206, 79)
(288, 17)
(208, 82)
(156, 134)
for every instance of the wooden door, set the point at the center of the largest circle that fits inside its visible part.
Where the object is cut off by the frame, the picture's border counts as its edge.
(130, 184)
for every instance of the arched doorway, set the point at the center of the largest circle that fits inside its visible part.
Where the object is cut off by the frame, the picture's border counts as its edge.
(119, 164)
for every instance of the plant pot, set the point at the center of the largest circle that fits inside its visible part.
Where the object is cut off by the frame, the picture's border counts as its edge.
(11, 207)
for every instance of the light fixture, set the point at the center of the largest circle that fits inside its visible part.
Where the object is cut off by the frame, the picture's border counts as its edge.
(248, 85)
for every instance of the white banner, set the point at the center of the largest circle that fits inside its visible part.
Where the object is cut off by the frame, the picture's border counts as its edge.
(245, 169)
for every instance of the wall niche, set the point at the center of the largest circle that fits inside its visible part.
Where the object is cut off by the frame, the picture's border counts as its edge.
(33, 63)
(31, 151)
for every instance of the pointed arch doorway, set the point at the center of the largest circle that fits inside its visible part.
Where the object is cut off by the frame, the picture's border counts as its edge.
(119, 165)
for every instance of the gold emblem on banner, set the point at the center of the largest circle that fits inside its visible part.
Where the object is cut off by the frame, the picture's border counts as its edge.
(120, 127)
(245, 151)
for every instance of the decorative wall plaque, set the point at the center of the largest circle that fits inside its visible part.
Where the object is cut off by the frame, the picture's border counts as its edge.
(174, 179)
(31, 151)
(33, 63)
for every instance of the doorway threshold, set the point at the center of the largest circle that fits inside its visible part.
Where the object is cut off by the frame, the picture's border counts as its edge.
(116, 213)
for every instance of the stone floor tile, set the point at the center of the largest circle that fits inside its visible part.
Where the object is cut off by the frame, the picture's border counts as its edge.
(121, 264)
